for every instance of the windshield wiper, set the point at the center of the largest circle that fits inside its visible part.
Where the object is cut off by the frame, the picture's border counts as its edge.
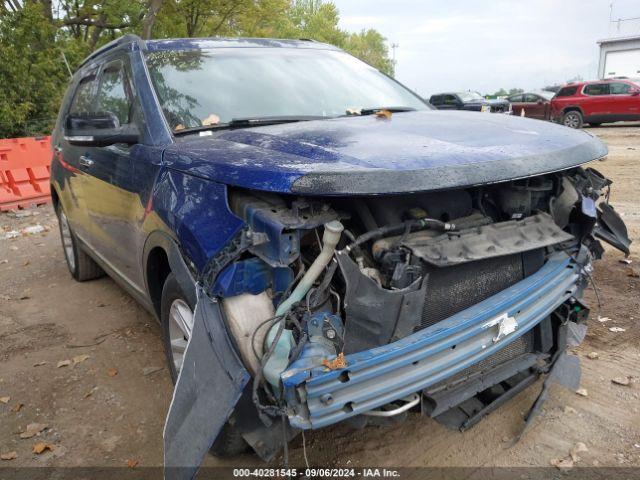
(250, 122)
(372, 111)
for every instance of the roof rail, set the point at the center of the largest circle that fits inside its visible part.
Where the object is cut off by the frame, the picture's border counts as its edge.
(128, 38)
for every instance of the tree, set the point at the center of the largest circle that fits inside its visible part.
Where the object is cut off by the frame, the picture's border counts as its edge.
(369, 45)
(35, 34)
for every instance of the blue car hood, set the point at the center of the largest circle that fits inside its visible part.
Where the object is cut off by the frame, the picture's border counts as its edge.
(412, 151)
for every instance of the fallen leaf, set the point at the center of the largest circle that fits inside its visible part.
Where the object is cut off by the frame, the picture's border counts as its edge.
(90, 392)
(562, 463)
(626, 261)
(149, 370)
(212, 119)
(593, 355)
(132, 463)
(384, 114)
(5, 399)
(576, 449)
(9, 455)
(64, 363)
(336, 363)
(26, 263)
(41, 447)
(39, 364)
(569, 409)
(17, 407)
(617, 329)
(603, 319)
(633, 272)
(80, 358)
(32, 430)
(112, 372)
(582, 392)
(624, 381)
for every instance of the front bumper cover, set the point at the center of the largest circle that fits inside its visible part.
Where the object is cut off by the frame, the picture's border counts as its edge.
(317, 397)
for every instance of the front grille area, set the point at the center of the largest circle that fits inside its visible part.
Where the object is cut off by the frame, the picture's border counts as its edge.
(453, 289)
(518, 347)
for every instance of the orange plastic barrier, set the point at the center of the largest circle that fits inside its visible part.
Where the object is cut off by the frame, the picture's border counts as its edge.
(25, 166)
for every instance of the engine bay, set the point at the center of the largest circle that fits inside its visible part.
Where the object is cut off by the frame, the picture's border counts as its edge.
(312, 279)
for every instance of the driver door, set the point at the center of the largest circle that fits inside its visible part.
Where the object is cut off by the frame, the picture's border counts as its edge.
(110, 188)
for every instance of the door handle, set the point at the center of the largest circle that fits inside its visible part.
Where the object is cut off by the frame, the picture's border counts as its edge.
(85, 161)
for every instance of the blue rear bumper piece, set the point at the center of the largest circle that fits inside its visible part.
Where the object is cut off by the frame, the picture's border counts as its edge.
(318, 397)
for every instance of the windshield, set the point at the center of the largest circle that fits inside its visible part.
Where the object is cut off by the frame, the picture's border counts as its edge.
(468, 96)
(210, 87)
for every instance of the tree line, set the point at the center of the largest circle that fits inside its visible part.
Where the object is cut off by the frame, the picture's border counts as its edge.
(41, 41)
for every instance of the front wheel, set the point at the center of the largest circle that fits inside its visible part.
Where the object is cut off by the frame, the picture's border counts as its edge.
(572, 119)
(176, 316)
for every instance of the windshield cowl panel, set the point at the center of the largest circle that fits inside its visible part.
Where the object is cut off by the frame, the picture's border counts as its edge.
(206, 88)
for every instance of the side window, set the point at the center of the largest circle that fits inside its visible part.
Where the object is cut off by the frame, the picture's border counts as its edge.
(114, 92)
(531, 98)
(596, 89)
(515, 98)
(567, 91)
(436, 100)
(619, 88)
(450, 100)
(83, 97)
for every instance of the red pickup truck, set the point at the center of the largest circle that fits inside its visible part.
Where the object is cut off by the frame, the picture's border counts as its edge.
(596, 102)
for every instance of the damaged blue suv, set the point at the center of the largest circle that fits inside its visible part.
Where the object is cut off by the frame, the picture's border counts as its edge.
(318, 243)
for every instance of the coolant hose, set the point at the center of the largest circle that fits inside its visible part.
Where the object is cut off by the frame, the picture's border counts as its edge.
(277, 363)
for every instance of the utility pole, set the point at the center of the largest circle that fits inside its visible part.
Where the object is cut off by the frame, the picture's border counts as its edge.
(393, 54)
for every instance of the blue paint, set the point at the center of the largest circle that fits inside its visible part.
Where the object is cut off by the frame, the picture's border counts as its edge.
(383, 374)
(252, 276)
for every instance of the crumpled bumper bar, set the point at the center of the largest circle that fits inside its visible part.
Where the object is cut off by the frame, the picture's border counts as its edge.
(318, 397)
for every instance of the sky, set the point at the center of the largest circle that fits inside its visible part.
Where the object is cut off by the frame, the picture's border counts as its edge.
(491, 44)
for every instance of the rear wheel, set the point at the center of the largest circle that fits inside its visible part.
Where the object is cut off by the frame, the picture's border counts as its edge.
(81, 266)
(176, 315)
(572, 119)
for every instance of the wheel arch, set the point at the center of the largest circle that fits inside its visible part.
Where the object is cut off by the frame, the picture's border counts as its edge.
(162, 255)
(573, 108)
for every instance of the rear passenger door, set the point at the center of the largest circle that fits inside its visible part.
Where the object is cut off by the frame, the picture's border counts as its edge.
(112, 199)
(624, 104)
(596, 106)
(534, 105)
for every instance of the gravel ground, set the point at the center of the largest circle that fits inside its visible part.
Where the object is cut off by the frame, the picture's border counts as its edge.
(107, 406)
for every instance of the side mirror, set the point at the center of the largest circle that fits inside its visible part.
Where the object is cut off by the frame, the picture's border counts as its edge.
(634, 91)
(99, 130)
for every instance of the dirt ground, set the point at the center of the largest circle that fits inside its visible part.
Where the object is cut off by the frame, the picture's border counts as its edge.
(108, 406)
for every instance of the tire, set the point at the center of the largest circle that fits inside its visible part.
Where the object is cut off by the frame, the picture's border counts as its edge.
(176, 316)
(81, 266)
(572, 119)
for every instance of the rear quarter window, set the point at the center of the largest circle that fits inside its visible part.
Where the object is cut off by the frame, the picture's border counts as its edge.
(567, 91)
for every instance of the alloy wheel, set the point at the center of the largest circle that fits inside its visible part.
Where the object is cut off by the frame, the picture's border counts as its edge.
(572, 120)
(180, 326)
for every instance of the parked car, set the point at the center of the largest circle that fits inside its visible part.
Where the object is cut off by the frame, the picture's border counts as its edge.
(472, 101)
(534, 104)
(319, 252)
(596, 102)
